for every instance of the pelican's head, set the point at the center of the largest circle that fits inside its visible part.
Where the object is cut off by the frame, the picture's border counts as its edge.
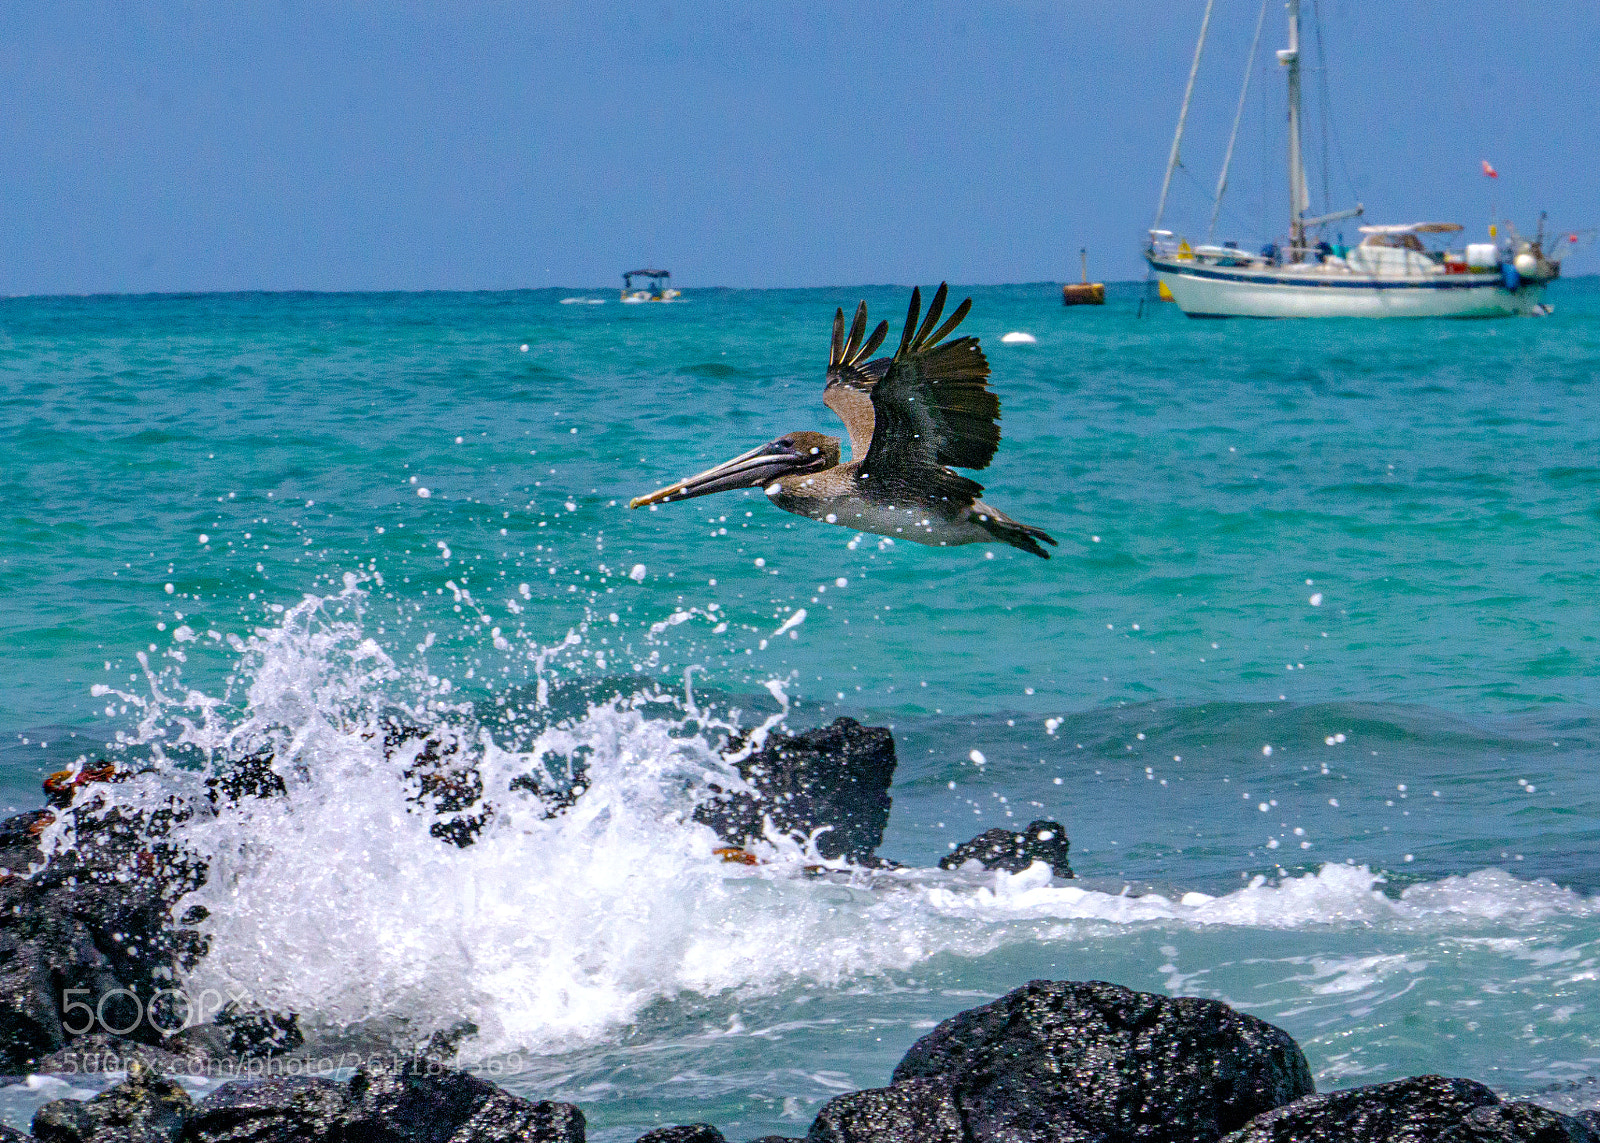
(790, 455)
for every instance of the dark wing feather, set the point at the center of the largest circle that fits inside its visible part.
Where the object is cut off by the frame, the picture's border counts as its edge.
(851, 377)
(932, 406)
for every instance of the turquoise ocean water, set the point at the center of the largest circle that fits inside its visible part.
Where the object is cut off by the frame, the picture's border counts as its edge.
(244, 519)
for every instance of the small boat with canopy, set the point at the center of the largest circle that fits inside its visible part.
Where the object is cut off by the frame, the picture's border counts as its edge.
(658, 289)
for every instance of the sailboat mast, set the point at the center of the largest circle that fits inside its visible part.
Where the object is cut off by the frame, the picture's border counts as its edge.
(1177, 138)
(1299, 199)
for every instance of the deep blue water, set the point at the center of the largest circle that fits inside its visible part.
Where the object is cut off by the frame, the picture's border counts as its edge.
(1368, 546)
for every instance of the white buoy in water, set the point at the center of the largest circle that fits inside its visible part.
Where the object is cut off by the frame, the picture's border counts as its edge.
(1017, 337)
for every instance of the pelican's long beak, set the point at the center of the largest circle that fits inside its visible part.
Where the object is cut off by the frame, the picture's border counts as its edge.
(754, 469)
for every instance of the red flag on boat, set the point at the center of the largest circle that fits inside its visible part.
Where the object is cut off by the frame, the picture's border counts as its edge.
(1490, 171)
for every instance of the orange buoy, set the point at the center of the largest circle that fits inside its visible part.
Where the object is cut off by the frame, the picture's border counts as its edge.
(1084, 293)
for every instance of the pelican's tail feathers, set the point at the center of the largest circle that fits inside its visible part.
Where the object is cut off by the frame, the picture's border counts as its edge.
(1013, 532)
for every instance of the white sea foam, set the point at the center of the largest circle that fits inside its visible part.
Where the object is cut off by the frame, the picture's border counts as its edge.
(555, 928)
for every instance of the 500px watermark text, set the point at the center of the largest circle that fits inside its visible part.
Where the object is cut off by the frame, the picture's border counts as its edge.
(122, 1011)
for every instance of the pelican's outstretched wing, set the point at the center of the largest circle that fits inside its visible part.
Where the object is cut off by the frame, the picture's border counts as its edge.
(932, 406)
(851, 377)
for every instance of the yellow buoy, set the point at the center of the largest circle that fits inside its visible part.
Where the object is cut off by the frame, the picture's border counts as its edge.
(1162, 292)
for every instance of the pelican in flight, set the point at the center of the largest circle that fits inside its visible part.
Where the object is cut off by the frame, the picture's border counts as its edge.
(909, 417)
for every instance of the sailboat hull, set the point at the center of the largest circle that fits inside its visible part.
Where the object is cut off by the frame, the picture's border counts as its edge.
(1227, 291)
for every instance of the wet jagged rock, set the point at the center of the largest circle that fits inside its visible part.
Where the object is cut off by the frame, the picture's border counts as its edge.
(1102, 1064)
(911, 1111)
(418, 1102)
(1014, 850)
(93, 926)
(237, 1032)
(835, 778)
(1526, 1123)
(99, 1052)
(144, 1108)
(291, 1110)
(250, 777)
(424, 1102)
(686, 1133)
(448, 782)
(1422, 1109)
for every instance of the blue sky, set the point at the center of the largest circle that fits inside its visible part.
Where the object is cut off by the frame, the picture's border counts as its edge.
(304, 145)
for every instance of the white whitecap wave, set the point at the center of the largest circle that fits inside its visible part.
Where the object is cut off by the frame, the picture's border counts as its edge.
(1333, 895)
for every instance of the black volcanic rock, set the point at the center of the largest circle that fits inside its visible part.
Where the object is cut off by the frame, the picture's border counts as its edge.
(92, 926)
(418, 1102)
(1097, 1063)
(1526, 1123)
(425, 1102)
(1422, 1109)
(299, 1109)
(249, 777)
(99, 1052)
(687, 1133)
(1014, 850)
(912, 1111)
(144, 1108)
(835, 777)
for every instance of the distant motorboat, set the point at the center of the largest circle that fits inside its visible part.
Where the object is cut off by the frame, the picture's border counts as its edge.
(1389, 274)
(659, 288)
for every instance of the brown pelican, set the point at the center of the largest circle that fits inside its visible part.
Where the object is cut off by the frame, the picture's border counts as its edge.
(909, 416)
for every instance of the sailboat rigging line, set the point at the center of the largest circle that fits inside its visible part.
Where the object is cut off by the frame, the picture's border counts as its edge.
(1200, 189)
(1244, 91)
(1177, 136)
(1329, 131)
(1322, 100)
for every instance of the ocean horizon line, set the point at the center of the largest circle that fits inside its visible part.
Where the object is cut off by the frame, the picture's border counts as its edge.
(442, 290)
(320, 293)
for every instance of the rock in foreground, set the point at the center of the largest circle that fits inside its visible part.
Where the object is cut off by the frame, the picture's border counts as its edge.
(94, 923)
(1098, 1063)
(835, 777)
(1012, 851)
(144, 1108)
(913, 1111)
(687, 1133)
(419, 1102)
(1422, 1109)
(274, 1111)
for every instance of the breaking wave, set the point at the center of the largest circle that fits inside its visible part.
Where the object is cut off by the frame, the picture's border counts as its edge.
(587, 891)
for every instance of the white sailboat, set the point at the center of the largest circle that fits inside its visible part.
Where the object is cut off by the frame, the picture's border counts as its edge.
(1390, 274)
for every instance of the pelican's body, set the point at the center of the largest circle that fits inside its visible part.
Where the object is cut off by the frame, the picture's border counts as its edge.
(909, 417)
(836, 496)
